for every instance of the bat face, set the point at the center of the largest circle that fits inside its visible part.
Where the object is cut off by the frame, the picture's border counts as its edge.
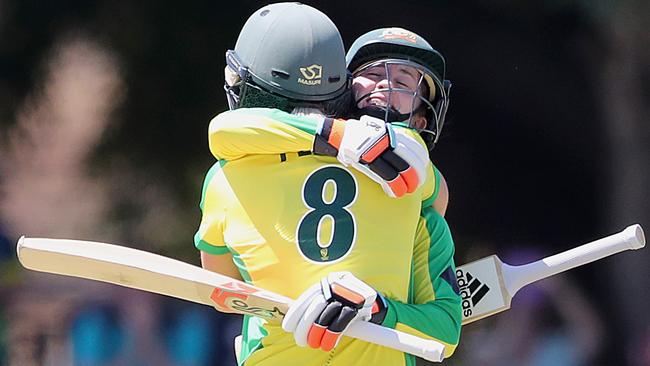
(482, 288)
(150, 272)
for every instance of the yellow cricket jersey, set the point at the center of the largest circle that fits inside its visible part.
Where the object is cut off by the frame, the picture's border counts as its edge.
(289, 218)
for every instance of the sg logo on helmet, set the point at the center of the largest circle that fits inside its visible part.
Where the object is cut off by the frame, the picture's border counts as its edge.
(312, 75)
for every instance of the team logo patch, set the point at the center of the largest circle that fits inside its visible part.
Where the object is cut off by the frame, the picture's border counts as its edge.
(311, 75)
(399, 33)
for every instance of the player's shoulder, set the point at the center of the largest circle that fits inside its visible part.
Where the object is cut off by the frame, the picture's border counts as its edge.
(214, 171)
(254, 113)
(233, 120)
(209, 182)
(242, 113)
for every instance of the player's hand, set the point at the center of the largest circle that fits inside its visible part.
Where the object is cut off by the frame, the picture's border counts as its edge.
(388, 156)
(323, 312)
(400, 170)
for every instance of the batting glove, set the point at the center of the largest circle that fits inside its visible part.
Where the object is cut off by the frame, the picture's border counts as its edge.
(321, 314)
(388, 156)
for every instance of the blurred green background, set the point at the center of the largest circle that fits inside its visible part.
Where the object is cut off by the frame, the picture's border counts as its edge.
(104, 107)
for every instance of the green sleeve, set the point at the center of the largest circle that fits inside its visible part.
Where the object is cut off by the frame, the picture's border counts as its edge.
(434, 307)
(249, 131)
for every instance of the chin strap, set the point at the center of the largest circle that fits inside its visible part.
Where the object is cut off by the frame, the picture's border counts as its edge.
(387, 114)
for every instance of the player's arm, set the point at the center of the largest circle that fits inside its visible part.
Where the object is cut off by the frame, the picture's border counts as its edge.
(222, 264)
(434, 309)
(215, 255)
(395, 158)
(441, 199)
(435, 193)
(254, 131)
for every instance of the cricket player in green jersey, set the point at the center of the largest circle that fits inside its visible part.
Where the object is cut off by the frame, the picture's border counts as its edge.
(293, 219)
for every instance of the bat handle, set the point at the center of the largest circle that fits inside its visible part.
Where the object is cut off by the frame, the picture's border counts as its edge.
(516, 277)
(428, 349)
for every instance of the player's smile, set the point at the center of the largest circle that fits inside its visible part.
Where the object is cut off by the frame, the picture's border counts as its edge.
(376, 99)
(381, 83)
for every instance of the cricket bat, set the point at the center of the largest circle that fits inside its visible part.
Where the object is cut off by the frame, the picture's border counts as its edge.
(488, 285)
(155, 273)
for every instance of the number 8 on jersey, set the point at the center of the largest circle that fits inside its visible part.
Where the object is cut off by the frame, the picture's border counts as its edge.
(327, 193)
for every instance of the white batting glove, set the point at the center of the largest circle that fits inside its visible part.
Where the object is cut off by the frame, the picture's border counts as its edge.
(388, 156)
(403, 168)
(364, 138)
(323, 312)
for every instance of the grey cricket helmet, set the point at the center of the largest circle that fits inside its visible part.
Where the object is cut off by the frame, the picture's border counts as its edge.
(287, 50)
(401, 44)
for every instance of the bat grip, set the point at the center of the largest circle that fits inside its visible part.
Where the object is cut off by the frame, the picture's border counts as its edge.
(428, 349)
(518, 276)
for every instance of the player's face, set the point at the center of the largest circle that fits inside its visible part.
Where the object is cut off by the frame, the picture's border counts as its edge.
(397, 84)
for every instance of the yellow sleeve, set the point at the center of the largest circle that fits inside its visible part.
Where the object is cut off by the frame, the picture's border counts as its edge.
(430, 188)
(259, 131)
(209, 236)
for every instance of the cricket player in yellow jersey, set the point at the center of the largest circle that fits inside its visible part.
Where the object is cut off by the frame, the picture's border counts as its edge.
(295, 219)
